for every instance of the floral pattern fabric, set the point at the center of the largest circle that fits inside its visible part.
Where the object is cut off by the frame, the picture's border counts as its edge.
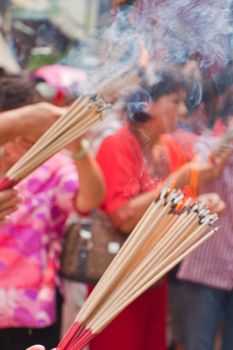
(30, 245)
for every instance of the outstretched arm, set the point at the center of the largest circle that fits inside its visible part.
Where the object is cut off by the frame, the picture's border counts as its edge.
(29, 122)
(126, 217)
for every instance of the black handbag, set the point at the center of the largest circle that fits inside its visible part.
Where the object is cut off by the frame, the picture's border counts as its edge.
(91, 243)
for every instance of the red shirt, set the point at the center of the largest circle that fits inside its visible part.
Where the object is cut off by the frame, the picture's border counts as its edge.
(126, 174)
(143, 323)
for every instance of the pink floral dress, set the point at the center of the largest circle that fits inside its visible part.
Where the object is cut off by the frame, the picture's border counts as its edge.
(30, 245)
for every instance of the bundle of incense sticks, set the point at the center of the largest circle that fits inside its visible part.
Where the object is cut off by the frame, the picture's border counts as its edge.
(86, 112)
(82, 115)
(171, 228)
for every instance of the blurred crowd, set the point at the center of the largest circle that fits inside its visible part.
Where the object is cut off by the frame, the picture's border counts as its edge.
(178, 132)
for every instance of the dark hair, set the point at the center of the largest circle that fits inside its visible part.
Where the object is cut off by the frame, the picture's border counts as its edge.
(17, 91)
(194, 93)
(164, 82)
(167, 82)
(126, 3)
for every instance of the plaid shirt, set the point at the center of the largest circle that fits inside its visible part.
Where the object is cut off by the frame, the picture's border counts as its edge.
(212, 263)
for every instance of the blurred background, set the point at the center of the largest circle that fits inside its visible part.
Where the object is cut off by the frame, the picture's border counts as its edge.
(42, 32)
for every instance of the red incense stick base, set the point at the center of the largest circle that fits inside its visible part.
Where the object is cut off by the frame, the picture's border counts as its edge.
(82, 340)
(6, 183)
(76, 338)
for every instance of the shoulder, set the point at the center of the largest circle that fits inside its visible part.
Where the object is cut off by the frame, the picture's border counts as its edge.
(122, 140)
(116, 139)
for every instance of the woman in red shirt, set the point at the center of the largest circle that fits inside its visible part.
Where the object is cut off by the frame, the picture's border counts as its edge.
(125, 161)
(133, 180)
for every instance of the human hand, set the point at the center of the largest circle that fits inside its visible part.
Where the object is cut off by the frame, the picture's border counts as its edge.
(37, 347)
(210, 169)
(219, 158)
(213, 201)
(9, 200)
(75, 146)
(79, 149)
(38, 119)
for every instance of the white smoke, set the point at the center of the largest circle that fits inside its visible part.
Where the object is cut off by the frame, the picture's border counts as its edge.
(188, 27)
(170, 30)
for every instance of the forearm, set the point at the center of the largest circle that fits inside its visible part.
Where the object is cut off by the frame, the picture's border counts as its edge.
(126, 218)
(187, 175)
(14, 123)
(197, 173)
(91, 183)
(8, 203)
(29, 122)
(180, 178)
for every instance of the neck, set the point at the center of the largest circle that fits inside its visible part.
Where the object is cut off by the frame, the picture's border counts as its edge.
(145, 135)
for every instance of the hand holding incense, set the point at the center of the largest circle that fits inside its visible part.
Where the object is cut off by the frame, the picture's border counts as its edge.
(85, 112)
(81, 116)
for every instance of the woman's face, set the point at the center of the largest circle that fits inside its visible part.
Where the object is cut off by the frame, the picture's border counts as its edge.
(166, 110)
